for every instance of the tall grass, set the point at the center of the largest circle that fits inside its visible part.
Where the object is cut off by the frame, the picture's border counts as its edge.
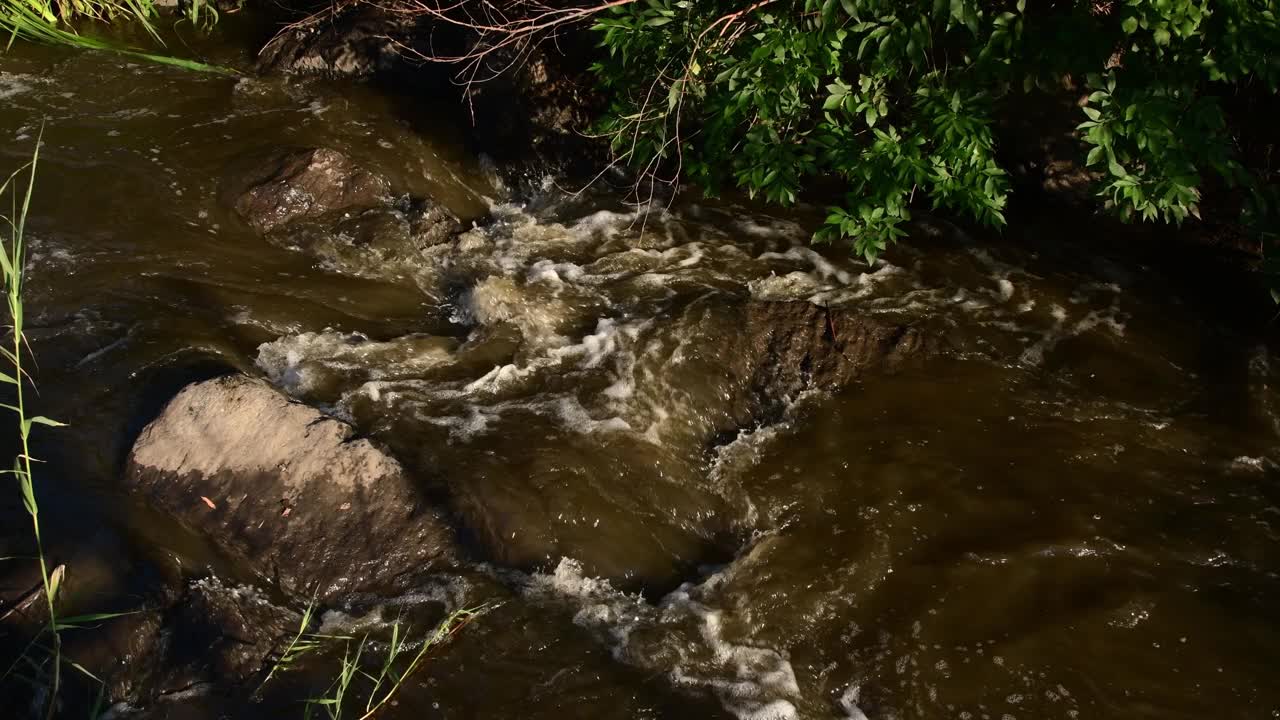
(387, 677)
(55, 22)
(39, 664)
(13, 262)
(382, 682)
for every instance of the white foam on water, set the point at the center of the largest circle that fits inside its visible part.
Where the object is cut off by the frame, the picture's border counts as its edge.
(500, 299)
(752, 682)
(45, 255)
(575, 417)
(824, 268)
(607, 223)
(1110, 318)
(792, 286)
(849, 703)
(553, 273)
(464, 427)
(1006, 289)
(1000, 272)
(825, 283)
(285, 360)
(13, 84)
(377, 613)
(1253, 463)
(611, 338)
(298, 363)
(499, 377)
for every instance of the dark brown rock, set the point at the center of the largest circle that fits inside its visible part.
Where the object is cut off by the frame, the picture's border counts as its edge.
(787, 348)
(294, 185)
(286, 489)
(210, 633)
(322, 203)
(234, 631)
(790, 347)
(352, 43)
(527, 107)
(534, 112)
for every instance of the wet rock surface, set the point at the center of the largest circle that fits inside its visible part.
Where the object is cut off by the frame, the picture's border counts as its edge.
(233, 631)
(324, 203)
(787, 348)
(353, 44)
(196, 638)
(287, 490)
(295, 184)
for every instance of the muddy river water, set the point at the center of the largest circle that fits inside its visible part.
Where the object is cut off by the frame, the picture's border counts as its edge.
(1071, 511)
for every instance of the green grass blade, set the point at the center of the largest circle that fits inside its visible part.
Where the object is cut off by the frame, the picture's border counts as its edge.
(20, 20)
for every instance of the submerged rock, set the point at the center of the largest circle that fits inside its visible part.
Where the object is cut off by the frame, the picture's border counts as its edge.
(323, 203)
(286, 489)
(608, 464)
(385, 242)
(297, 184)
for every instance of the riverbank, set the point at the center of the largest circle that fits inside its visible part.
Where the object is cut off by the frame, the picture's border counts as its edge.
(697, 466)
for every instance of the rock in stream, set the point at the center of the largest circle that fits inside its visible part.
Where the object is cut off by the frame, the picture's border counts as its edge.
(292, 185)
(288, 490)
(326, 204)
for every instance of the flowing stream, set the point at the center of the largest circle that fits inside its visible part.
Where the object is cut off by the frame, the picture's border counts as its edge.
(1071, 511)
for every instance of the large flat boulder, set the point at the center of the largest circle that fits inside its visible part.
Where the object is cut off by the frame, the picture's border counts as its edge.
(288, 490)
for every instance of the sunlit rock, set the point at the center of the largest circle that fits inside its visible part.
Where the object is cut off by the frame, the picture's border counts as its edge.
(287, 490)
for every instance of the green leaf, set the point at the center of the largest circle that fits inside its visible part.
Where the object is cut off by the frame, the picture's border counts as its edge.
(1130, 25)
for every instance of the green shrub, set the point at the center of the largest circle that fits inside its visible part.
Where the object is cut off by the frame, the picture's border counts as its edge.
(897, 99)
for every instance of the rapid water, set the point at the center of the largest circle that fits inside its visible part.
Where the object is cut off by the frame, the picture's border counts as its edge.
(1070, 512)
